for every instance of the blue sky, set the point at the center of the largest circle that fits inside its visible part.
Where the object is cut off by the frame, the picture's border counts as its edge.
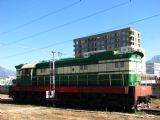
(23, 42)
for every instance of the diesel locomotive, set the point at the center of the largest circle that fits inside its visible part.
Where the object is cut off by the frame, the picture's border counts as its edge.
(110, 79)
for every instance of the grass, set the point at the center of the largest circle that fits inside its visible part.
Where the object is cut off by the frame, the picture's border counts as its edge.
(155, 103)
(140, 113)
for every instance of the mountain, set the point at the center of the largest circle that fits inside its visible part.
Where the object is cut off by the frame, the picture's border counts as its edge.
(5, 72)
(155, 59)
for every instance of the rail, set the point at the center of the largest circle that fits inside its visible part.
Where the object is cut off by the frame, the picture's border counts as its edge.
(154, 111)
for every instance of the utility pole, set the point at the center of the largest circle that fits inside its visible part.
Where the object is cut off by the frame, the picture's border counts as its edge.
(50, 94)
(53, 73)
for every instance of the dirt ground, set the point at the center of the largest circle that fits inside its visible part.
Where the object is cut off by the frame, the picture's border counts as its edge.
(10, 111)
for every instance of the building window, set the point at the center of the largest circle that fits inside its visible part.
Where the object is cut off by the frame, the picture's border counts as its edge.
(123, 33)
(131, 38)
(112, 45)
(123, 38)
(76, 42)
(131, 32)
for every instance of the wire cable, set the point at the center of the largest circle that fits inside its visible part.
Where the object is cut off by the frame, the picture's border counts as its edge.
(38, 49)
(133, 22)
(41, 17)
(63, 42)
(68, 23)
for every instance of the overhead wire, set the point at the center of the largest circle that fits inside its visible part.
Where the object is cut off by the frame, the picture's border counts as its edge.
(38, 49)
(41, 17)
(133, 22)
(67, 23)
(63, 42)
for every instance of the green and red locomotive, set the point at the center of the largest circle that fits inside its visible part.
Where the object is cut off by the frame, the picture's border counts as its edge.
(110, 79)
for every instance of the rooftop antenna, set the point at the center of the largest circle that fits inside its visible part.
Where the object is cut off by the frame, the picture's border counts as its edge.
(60, 54)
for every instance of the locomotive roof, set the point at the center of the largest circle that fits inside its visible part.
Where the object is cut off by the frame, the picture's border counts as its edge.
(96, 57)
(81, 61)
(25, 66)
(19, 66)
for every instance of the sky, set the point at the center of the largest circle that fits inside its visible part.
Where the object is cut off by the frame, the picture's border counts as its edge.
(31, 29)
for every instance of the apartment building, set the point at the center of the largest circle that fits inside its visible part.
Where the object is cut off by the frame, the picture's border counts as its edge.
(153, 68)
(107, 41)
(123, 39)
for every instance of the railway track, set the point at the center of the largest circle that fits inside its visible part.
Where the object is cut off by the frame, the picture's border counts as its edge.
(5, 100)
(153, 111)
(72, 110)
(150, 111)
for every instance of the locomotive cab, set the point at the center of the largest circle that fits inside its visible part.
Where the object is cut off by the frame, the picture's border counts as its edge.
(24, 74)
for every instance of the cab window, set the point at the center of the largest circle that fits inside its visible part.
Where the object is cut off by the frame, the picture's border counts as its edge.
(26, 72)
